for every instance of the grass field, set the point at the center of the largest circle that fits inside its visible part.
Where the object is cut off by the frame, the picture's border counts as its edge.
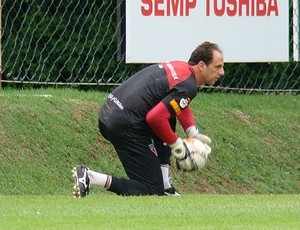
(45, 132)
(192, 211)
(251, 181)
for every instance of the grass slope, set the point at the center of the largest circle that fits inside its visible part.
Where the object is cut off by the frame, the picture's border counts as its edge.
(255, 146)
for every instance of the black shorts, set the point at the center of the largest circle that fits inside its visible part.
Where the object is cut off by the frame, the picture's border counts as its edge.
(141, 159)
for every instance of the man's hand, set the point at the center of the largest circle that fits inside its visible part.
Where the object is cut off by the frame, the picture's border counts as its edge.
(203, 138)
(194, 132)
(179, 149)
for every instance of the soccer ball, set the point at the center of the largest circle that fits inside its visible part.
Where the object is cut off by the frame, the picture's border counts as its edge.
(197, 157)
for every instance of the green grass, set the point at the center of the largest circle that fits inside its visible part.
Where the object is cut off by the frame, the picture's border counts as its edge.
(256, 147)
(191, 211)
(252, 179)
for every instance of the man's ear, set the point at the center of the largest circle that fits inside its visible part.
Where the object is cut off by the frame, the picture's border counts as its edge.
(201, 65)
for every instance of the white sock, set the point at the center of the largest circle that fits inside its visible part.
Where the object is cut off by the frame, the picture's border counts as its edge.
(165, 175)
(99, 179)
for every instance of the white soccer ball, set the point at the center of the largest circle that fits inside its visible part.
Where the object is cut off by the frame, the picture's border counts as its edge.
(198, 155)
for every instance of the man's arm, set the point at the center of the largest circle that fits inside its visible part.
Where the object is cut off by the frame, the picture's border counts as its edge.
(158, 119)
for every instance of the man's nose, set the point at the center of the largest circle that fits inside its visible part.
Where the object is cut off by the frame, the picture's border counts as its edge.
(221, 71)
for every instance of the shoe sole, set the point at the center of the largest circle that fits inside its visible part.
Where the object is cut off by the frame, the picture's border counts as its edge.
(76, 192)
(172, 194)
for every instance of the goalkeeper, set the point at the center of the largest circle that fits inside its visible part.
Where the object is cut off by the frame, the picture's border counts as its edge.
(139, 119)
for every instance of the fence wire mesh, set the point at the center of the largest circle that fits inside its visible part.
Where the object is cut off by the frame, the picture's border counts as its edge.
(83, 43)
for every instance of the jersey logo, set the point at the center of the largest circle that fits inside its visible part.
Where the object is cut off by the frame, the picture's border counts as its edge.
(172, 71)
(184, 102)
(153, 149)
(175, 106)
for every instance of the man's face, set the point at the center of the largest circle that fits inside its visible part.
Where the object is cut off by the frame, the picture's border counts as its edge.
(213, 71)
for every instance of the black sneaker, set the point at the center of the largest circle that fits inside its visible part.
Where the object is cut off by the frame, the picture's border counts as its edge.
(172, 192)
(82, 181)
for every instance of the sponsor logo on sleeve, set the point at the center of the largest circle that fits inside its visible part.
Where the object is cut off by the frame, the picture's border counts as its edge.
(175, 106)
(184, 102)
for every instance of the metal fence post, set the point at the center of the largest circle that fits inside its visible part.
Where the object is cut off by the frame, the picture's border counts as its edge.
(0, 44)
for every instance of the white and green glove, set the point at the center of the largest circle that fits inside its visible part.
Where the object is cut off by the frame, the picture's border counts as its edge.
(179, 149)
(194, 132)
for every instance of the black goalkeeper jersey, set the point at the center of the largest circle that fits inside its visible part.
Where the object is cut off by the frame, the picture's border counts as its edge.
(172, 83)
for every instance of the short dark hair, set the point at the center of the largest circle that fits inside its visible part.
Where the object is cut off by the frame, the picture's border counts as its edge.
(204, 52)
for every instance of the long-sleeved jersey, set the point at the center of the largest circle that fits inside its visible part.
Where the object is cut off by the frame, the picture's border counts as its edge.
(147, 100)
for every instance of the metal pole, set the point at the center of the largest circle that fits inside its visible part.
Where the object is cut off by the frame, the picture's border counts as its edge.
(0, 44)
(296, 33)
(121, 28)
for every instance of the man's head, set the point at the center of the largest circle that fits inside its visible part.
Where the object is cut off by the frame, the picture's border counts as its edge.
(207, 60)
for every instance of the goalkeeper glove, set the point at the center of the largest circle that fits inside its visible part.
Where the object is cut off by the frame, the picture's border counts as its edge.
(179, 149)
(194, 132)
(205, 139)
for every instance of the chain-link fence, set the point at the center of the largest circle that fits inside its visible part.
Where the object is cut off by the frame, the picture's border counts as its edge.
(83, 43)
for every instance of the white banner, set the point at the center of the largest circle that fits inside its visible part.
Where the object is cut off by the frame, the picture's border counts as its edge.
(246, 30)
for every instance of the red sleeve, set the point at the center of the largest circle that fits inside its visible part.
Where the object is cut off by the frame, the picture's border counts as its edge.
(186, 118)
(158, 119)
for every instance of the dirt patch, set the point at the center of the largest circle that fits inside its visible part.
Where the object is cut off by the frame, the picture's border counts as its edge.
(3, 136)
(242, 116)
(82, 107)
